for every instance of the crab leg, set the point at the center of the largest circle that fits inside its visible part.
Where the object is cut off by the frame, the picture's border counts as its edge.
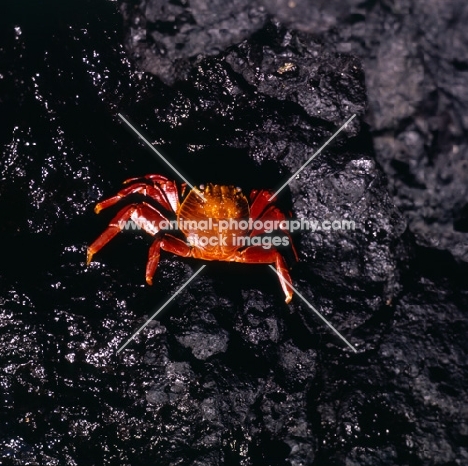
(259, 199)
(274, 214)
(144, 215)
(167, 186)
(154, 192)
(259, 255)
(168, 243)
(152, 178)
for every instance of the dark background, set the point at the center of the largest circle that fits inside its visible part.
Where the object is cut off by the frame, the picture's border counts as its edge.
(230, 374)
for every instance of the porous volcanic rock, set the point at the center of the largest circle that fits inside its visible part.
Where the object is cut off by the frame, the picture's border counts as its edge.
(228, 373)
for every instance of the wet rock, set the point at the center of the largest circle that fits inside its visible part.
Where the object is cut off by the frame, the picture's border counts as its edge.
(167, 38)
(203, 345)
(415, 64)
(414, 74)
(228, 374)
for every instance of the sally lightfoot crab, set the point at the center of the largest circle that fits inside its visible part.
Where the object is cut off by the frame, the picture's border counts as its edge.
(211, 217)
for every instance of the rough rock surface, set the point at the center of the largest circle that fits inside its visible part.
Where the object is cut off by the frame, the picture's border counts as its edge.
(230, 374)
(416, 64)
(167, 38)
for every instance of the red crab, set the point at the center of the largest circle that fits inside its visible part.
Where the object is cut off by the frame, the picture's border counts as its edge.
(194, 211)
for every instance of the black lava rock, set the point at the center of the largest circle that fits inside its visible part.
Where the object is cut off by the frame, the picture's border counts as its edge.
(242, 94)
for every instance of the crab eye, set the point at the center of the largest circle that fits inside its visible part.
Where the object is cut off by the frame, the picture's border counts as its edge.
(238, 189)
(202, 187)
